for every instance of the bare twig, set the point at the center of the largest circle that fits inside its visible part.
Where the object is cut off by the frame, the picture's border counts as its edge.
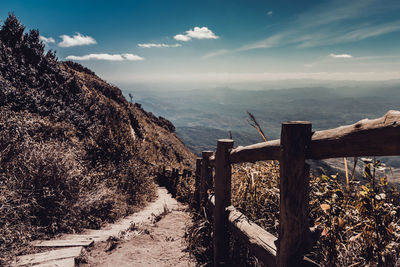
(253, 122)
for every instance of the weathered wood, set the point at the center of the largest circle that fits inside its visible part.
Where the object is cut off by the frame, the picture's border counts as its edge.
(205, 177)
(84, 242)
(378, 137)
(48, 256)
(294, 234)
(69, 262)
(222, 200)
(256, 152)
(197, 185)
(260, 242)
(212, 161)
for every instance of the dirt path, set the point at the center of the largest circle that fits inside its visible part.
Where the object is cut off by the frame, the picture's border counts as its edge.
(153, 244)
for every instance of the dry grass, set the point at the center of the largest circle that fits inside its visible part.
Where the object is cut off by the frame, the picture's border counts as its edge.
(73, 152)
(47, 186)
(361, 226)
(360, 222)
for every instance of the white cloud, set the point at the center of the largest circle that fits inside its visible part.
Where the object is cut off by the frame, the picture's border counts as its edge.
(196, 33)
(181, 37)
(76, 40)
(269, 13)
(201, 33)
(132, 57)
(151, 45)
(108, 57)
(47, 40)
(340, 56)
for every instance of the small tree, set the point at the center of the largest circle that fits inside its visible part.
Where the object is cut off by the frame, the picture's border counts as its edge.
(12, 31)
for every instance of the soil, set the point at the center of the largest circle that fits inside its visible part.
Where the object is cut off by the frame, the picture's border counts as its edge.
(159, 244)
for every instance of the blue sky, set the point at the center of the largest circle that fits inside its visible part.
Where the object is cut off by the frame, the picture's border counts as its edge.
(203, 41)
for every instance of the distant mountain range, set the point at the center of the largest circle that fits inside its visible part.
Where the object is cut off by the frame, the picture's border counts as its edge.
(203, 116)
(210, 114)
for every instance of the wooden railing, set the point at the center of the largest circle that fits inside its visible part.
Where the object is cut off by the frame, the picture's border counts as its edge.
(378, 137)
(171, 178)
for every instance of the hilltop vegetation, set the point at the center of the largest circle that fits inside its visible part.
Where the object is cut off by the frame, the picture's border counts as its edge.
(73, 152)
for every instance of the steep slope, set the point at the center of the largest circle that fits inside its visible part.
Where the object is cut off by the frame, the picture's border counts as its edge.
(73, 152)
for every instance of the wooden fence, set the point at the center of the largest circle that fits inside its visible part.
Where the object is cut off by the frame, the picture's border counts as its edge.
(171, 178)
(378, 137)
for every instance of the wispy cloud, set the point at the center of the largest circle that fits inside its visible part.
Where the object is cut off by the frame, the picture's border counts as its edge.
(270, 13)
(196, 33)
(47, 40)
(151, 45)
(76, 40)
(217, 53)
(332, 55)
(107, 57)
(266, 43)
(132, 57)
(335, 22)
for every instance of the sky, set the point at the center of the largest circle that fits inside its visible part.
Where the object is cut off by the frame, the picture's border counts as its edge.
(146, 41)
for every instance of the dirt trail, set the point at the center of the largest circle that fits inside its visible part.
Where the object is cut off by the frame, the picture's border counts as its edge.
(152, 244)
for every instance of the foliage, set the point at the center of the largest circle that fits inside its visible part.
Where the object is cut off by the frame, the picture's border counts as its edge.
(73, 152)
(199, 238)
(360, 226)
(359, 223)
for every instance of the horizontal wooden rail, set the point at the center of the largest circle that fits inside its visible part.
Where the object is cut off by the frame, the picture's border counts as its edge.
(378, 137)
(260, 242)
(256, 152)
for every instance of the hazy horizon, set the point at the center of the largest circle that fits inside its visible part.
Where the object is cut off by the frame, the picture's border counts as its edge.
(265, 85)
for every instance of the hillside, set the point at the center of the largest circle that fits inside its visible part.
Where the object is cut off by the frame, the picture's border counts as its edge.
(73, 152)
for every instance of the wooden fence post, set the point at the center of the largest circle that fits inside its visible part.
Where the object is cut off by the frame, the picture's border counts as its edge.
(294, 234)
(174, 178)
(205, 178)
(197, 184)
(222, 200)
